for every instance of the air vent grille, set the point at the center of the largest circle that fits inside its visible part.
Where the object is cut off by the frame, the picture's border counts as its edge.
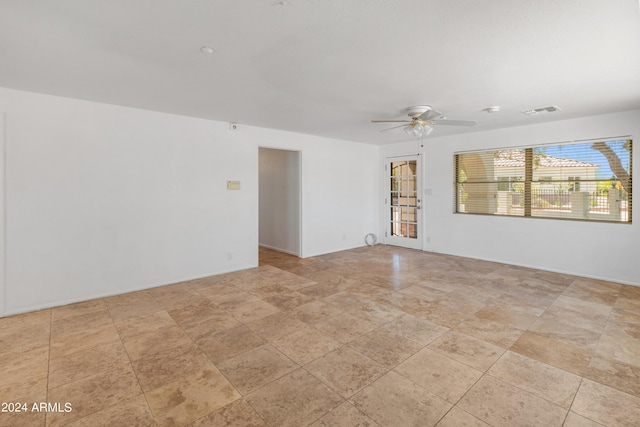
(541, 110)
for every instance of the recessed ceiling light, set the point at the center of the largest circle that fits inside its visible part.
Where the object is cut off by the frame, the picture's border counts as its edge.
(207, 50)
(494, 109)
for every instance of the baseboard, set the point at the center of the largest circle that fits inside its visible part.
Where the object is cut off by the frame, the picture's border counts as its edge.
(68, 301)
(279, 249)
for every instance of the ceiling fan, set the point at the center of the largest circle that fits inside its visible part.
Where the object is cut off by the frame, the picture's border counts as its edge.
(423, 117)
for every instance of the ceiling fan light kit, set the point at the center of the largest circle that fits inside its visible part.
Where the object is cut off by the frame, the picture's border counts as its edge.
(418, 129)
(423, 117)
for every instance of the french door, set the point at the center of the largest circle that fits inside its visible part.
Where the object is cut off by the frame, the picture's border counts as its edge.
(403, 202)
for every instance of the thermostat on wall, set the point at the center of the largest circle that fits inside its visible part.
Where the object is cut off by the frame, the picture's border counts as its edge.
(233, 185)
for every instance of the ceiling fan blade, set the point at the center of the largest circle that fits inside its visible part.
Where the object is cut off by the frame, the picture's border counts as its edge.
(390, 121)
(429, 115)
(395, 127)
(454, 122)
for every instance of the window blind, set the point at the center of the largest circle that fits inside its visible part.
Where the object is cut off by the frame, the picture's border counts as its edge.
(580, 181)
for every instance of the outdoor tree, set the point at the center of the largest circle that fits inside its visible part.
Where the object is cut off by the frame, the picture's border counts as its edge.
(615, 164)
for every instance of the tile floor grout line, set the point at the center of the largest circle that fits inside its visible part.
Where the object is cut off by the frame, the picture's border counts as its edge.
(144, 394)
(88, 376)
(49, 361)
(533, 394)
(242, 396)
(573, 400)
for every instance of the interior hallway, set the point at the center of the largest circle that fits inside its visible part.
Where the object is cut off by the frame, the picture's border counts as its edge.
(375, 336)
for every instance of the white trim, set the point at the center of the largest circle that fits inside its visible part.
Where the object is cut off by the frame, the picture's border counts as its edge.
(404, 242)
(341, 249)
(122, 292)
(3, 216)
(403, 155)
(515, 147)
(279, 249)
(537, 267)
(300, 204)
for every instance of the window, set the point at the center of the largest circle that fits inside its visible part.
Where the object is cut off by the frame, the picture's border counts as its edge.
(574, 183)
(588, 180)
(506, 183)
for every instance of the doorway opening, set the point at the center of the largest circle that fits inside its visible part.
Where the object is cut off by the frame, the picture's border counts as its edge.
(279, 200)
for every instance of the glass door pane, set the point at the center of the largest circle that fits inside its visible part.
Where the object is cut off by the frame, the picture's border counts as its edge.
(404, 202)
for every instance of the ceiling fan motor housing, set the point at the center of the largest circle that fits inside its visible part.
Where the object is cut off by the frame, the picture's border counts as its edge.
(418, 110)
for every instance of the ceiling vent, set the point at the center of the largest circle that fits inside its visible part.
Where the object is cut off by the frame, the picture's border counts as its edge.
(535, 112)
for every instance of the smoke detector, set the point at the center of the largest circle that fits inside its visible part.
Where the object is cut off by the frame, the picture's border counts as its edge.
(541, 110)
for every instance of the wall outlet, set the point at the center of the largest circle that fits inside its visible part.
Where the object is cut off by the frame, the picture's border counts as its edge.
(229, 256)
(428, 239)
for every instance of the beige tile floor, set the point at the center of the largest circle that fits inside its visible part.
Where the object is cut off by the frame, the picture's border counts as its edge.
(376, 336)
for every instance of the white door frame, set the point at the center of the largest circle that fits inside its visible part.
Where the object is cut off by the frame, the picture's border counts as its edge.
(407, 242)
(3, 254)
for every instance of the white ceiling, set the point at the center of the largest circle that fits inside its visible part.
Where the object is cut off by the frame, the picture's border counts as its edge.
(327, 67)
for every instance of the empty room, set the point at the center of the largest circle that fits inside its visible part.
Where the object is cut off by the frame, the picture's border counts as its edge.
(319, 213)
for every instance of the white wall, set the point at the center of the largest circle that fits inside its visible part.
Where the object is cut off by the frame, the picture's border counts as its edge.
(279, 186)
(339, 188)
(600, 250)
(102, 199)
